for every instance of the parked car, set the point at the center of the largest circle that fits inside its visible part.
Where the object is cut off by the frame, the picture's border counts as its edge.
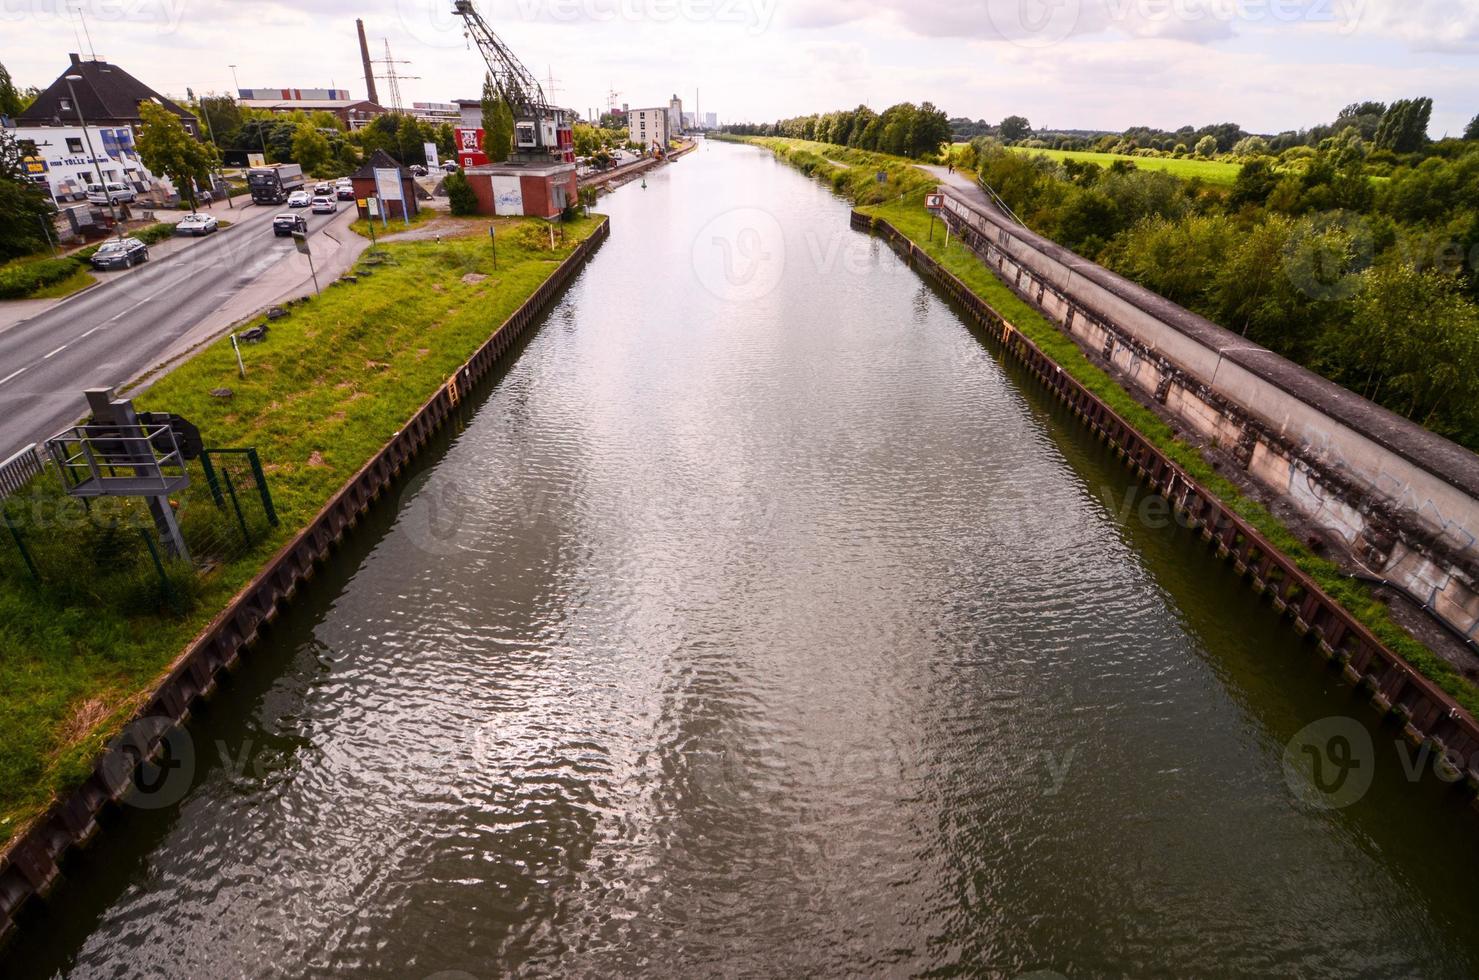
(299, 199)
(325, 204)
(323, 187)
(286, 223)
(120, 253)
(344, 189)
(449, 166)
(197, 224)
(113, 193)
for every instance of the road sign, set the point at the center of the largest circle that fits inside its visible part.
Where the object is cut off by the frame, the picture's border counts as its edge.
(935, 202)
(301, 240)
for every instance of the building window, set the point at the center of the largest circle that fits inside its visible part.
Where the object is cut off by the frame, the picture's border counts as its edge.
(74, 145)
(65, 105)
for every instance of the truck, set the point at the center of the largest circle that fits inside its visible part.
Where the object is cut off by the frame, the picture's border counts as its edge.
(272, 184)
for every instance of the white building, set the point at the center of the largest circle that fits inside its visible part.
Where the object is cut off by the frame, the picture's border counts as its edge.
(58, 157)
(675, 116)
(649, 128)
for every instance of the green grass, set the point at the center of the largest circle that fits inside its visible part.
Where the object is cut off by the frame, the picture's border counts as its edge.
(328, 388)
(76, 282)
(1218, 172)
(361, 226)
(911, 219)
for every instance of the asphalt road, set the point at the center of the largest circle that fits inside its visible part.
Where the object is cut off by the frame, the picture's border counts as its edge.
(114, 332)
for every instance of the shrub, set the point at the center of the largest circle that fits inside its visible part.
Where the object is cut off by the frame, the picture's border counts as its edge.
(460, 193)
(21, 280)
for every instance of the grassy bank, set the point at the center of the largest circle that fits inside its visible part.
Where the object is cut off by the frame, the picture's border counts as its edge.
(326, 389)
(910, 218)
(1219, 172)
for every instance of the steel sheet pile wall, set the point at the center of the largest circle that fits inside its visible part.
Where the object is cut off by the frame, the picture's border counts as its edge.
(30, 866)
(1427, 713)
(1403, 500)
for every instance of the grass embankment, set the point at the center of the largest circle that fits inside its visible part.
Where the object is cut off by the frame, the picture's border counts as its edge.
(385, 228)
(327, 388)
(1219, 172)
(910, 217)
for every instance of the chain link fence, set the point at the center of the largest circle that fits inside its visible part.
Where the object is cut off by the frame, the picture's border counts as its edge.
(107, 552)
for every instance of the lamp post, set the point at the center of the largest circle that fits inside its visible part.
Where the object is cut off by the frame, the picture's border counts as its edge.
(92, 154)
(212, 133)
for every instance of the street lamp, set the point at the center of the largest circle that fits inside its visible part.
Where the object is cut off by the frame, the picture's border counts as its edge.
(211, 131)
(92, 154)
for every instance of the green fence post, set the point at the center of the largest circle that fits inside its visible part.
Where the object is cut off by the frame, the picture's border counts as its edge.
(261, 478)
(25, 555)
(231, 489)
(169, 590)
(210, 478)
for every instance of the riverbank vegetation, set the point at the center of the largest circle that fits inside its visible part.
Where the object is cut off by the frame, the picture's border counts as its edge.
(1351, 249)
(907, 214)
(327, 387)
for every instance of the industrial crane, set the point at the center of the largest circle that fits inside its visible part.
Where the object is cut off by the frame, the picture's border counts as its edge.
(542, 132)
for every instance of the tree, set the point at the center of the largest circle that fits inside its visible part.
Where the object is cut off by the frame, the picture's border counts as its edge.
(460, 193)
(1255, 182)
(498, 124)
(1207, 146)
(26, 206)
(311, 149)
(222, 117)
(10, 99)
(1472, 132)
(1404, 128)
(166, 148)
(1014, 128)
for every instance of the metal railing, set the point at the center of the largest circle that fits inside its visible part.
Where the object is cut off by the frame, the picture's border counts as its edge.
(119, 460)
(19, 470)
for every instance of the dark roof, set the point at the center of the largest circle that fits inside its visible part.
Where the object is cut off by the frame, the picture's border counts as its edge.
(379, 160)
(107, 95)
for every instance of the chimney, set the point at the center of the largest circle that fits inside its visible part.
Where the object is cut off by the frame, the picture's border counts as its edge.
(76, 59)
(364, 54)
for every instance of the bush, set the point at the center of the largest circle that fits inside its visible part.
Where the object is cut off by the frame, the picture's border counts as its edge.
(531, 236)
(460, 193)
(21, 280)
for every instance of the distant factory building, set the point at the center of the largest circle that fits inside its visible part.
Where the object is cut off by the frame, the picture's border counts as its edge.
(353, 113)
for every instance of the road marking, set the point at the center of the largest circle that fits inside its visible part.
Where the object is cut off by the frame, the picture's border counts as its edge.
(9, 376)
(90, 332)
(55, 352)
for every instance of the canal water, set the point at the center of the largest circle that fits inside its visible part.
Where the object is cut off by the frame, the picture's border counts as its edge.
(761, 621)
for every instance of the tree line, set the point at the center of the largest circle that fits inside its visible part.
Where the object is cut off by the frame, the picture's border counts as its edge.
(904, 130)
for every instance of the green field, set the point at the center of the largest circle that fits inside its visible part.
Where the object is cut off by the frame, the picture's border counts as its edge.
(1211, 171)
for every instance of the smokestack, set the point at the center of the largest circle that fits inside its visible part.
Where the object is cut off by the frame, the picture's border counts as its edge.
(364, 54)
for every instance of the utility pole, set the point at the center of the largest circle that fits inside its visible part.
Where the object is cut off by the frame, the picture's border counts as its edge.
(93, 154)
(212, 133)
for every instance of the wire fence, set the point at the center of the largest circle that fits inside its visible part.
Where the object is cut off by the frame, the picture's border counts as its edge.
(108, 551)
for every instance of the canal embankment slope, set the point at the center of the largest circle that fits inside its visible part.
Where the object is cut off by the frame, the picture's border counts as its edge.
(334, 400)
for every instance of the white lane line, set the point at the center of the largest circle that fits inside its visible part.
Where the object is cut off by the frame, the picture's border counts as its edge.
(90, 332)
(12, 375)
(56, 352)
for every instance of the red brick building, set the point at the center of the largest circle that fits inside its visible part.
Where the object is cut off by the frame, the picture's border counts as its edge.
(539, 190)
(365, 190)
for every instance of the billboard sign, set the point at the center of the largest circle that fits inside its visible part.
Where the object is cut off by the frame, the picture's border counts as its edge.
(431, 155)
(388, 183)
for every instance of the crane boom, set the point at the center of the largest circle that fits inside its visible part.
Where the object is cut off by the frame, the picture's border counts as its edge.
(516, 85)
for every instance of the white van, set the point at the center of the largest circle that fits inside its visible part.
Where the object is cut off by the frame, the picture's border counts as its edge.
(114, 193)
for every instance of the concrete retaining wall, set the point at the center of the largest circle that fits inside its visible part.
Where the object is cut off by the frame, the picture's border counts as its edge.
(30, 866)
(1404, 501)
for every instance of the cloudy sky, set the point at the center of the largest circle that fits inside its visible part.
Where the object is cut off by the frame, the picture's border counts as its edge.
(1103, 64)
